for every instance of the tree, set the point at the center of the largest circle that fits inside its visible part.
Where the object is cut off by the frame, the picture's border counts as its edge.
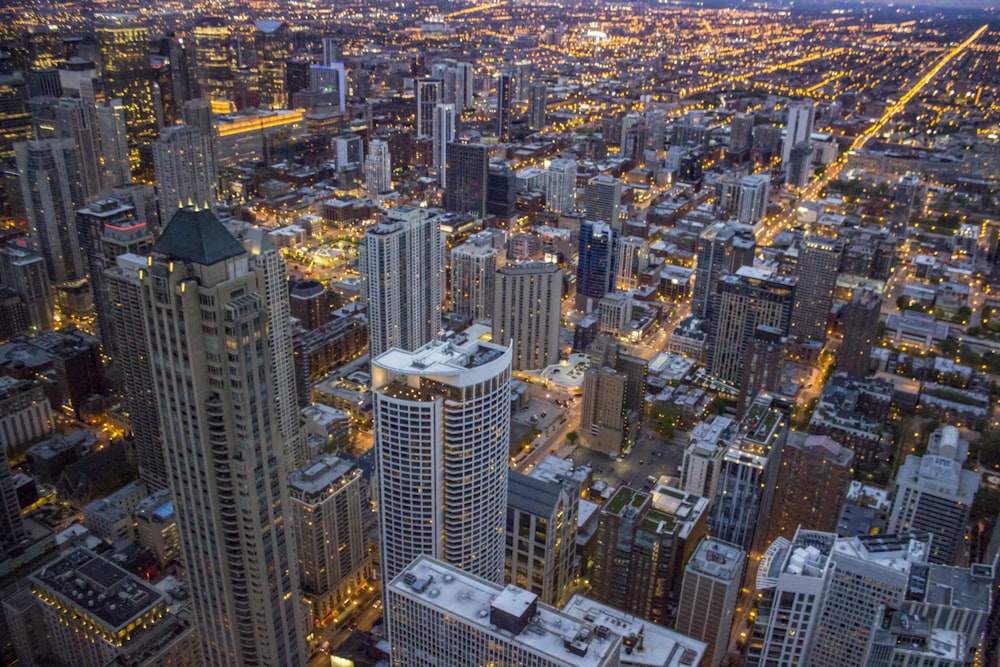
(665, 418)
(572, 437)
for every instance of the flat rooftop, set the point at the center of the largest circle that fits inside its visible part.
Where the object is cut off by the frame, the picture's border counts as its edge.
(717, 559)
(457, 356)
(319, 474)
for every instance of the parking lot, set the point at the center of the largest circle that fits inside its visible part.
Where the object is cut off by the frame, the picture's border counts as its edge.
(650, 457)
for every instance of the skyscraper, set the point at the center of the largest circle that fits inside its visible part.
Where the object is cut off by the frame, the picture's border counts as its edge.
(527, 307)
(505, 100)
(442, 440)
(214, 60)
(378, 168)
(330, 77)
(595, 262)
(15, 119)
(474, 267)
(538, 97)
(816, 271)
(50, 187)
(709, 591)
(860, 328)
(741, 133)
(185, 173)
(603, 199)
(799, 166)
(114, 153)
(798, 127)
(402, 265)
(274, 42)
(207, 320)
(12, 532)
(443, 134)
(73, 119)
(722, 248)
(127, 74)
(429, 95)
(465, 86)
(632, 259)
(468, 173)
(560, 185)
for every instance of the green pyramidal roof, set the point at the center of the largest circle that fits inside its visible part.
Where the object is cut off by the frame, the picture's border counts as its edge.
(197, 236)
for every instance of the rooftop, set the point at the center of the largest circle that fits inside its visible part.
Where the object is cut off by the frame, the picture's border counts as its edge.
(456, 357)
(197, 236)
(718, 559)
(321, 476)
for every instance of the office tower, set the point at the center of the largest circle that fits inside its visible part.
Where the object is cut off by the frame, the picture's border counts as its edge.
(401, 262)
(798, 127)
(633, 259)
(114, 152)
(527, 308)
(15, 118)
(762, 366)
(750, 299)
(443, 134)
(644, 541)
(603, 199)
(73, 119)
(560, 186)
(12, 532)
(871, 572)
(741, 133)
(126, 72)
(538, 97)
(274, 43)
(541, 535)
(812, 485)
(50, 187)
(799, 167)
(429, 95)
(214, 60)
(24, 271)
(474, 267)
(465, 86)
(468, 173)
(43, 47)
(441, 615)
(708, 596)
(860, 330)
(505, 100)
(185, 173)
(442, 441)
(330, 78)
(722, 248)
(378, 168)
(208, 320)
(326, 513)
(501, 191)
(793, 580)
(816, 271)
(749, 470)
(934, 494)
(96, 614)
(707, 445)
(753, 199)
(595, 271)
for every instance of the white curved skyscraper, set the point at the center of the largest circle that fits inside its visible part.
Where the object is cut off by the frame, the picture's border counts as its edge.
(442, 440)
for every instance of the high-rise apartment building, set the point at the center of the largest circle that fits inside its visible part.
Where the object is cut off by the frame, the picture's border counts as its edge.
(12, 532)
(934, 494)
(707, 444)
(330, 77)
(741, 133)
(816, 273)
(24, 271)
(603, 200)
(750, 299)
(127, 74)
(402, 266)
(50, 187)
(443, 133)
(644, 540)
(749, 469)
(208, 331)
(441, 615)
(527, 305)
(474, 267)
(632, 259)
(326, 514)
(812, 485)
(860, 330)
(15, 118)
(429, 94)
(467, 175)
(793, 580)
(442, 439)
(605, 423)
(505, 100)
(185, 172)
(595, 270)
(798, 127)
(112, 128)
(538, 97)
(560, 185)
(274, 43)
(215, 62)
(799, 166)
(378, 168)
(722, 248)
(708, 596)
(73, 119)
(97, 614)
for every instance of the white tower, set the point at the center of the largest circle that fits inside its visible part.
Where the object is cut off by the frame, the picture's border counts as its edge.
(443, 133)
(185, 174)
(801, 118)
(378, 168)
(560, 186)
